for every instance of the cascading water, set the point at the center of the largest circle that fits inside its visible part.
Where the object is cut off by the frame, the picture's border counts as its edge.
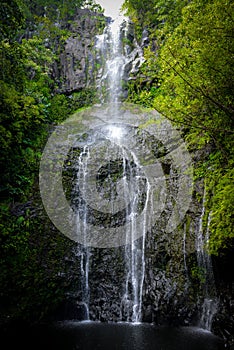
(132, 178)
(123, 189)
(84, 250)
(127, 174)
(135, 251)
(114, 59)
(210, 302)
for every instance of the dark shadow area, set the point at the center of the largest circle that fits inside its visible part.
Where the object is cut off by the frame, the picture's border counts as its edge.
(104, 336)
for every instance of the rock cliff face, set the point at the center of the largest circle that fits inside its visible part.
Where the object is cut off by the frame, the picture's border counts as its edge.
(79, 64)
(76, 67)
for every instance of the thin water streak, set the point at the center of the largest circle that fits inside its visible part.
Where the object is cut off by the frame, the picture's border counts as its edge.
(131, 304)
(83, 251)
(210, 302)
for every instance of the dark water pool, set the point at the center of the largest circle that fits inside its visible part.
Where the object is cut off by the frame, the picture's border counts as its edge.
(101, 336)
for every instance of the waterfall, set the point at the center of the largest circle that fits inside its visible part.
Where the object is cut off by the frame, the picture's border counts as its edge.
(116, 59)
(123, 189)
(133, 183)
(131, 303)
(112, 62)
(81, 218)
(133, 177)
(114, 56)
(210, 303)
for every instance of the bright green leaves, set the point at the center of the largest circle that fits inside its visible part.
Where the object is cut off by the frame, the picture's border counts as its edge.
(22, 112)
(30, 257)
(160, 17)
(11, 64)
(188, 77)
(21, 133)
(197, 82)
(29, 99)
(222, 212)
(196, 69)
(37, 57)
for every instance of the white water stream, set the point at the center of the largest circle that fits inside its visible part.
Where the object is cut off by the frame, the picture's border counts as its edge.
(210, 302)
(113, 59)
(114, 56)
(127, 191)
(84, 251)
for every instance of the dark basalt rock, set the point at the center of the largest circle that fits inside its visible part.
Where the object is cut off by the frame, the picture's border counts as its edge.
(76, 67)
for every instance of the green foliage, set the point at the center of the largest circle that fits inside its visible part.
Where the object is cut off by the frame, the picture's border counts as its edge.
(61, 106)
(197, 91)
(57, 10)
(93, 6)
(198, 275)
(188, 77)
(159, 16)
(11, 64)
(28, 101)
(53, 8)
(22, 115)
(21, 133)
(11, 18)
(222, 217)
(195, 68)
(31, 258)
